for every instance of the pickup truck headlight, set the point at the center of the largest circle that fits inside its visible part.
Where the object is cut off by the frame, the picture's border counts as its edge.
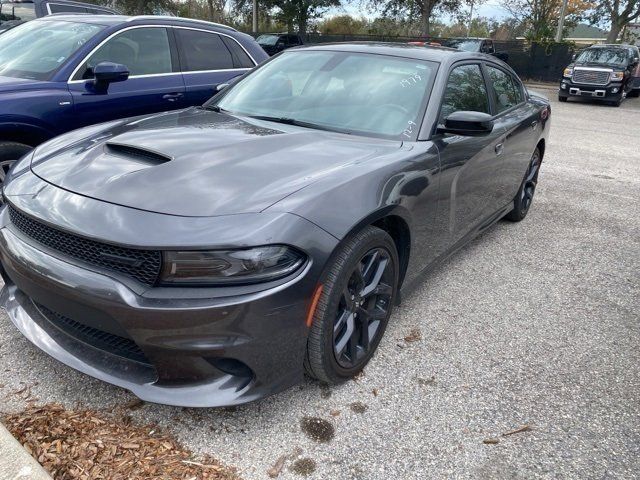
(617, 76)
(230, 267)
(568, 72)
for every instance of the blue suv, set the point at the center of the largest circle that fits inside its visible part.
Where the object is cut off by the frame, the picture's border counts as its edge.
(59, 73)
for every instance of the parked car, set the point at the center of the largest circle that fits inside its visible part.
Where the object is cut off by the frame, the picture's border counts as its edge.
(481, 45)
(16, 12)
(59, 73)
(209, 256)
(601, 72)
(273, 43)
(635, 73)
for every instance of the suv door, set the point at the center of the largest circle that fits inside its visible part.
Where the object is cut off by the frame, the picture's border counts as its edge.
(154, 84)
(208, 59)
(519, 120)
(471, 165)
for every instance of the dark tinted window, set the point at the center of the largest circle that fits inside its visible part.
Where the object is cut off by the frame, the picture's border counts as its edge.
(145, 51)
(17, 11)
(203, 51)
(506, 92)
(466, 91)
(61, 8)
(240, 57)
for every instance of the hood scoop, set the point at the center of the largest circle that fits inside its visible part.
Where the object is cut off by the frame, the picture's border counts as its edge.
(142, 155)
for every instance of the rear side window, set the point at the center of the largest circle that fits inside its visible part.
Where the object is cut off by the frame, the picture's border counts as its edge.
(144, 51)
(240, 57)
(61, 8)
(201, 51)
(506, 92)
(465, 91)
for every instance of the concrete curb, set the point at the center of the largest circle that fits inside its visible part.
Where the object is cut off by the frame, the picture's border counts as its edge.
(541, 86)
(15, 462)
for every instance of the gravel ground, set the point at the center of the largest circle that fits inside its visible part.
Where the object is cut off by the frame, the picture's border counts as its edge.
(531, 324)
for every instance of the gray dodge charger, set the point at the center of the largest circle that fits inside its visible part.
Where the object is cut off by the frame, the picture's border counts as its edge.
(211, 256)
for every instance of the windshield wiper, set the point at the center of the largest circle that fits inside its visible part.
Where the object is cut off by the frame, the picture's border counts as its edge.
(299, 123)
(215, 108)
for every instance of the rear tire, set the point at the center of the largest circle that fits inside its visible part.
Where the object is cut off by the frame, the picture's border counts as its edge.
(634, 93)
(10, 153)
(524, 197)
(354, 307)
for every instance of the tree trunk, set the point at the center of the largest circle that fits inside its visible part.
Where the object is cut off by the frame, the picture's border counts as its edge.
(616, 28)
(140, 7)
(426, 23)
(211, 15)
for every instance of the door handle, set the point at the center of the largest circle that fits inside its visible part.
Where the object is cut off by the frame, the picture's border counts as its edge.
(499, 148)
(172, 97)
(534, 124)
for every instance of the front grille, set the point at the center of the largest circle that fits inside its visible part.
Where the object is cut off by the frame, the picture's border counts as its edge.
(141, 265)
(591, 77)
(113, 344)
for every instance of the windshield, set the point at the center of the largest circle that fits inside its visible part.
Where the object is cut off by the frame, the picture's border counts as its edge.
(375, 95)
(267, 39)
(609, 56)
(36, 49)
(462, 44)
(17, 11)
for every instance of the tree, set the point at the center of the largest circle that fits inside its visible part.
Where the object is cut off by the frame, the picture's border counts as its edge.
(299, 13)
(618, 12)
(343, 25)
(541, 16)
(422, 9)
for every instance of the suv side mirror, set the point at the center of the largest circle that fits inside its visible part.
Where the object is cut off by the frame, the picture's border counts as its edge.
(469, 124)
(573, 57)
(106, 73)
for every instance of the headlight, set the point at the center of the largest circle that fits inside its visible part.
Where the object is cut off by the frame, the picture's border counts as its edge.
(229, 267)
(568, 72)
(617, 76)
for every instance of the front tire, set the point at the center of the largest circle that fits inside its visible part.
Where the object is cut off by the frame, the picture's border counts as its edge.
(562, 99)
(354, 307)
(10, 153)
(524, 197)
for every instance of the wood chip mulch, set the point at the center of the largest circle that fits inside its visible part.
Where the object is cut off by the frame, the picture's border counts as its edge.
(90, 445)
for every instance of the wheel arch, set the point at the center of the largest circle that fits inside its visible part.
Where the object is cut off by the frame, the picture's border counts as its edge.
(541, 145)
(396, 221)
(24, 133)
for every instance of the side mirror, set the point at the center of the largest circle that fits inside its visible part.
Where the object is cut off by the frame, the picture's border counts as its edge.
(573, 57)
(106, 73)
(469, 124)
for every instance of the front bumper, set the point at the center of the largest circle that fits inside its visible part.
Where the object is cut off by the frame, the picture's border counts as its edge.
(185, 347)
(610, 92)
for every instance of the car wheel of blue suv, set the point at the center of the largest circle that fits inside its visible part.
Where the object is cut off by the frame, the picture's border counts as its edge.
(10, 152)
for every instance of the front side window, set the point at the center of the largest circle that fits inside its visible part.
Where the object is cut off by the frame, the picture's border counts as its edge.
(201, 51)
(144, 51)
(506, 92)
(17, 11)
(36, 49)
(374, 95)
(465, 91)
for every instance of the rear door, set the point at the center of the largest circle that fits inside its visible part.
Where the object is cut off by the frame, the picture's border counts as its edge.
(207, 60)
(471, 166)
(520, 122)
(154, 84)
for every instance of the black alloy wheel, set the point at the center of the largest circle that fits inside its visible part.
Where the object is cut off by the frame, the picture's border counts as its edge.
(524, 197)
(364, 305)
(357, 300)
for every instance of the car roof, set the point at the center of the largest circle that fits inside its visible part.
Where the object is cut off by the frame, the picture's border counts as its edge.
(427, 52)
(144, 19)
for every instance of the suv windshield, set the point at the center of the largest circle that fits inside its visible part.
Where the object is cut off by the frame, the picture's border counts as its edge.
(16, 11)
(462, 44)
(36, 49)
(608, 56)
(370, 94)
(267, 39)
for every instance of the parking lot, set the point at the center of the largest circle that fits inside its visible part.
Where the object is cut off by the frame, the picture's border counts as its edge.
(532, 325)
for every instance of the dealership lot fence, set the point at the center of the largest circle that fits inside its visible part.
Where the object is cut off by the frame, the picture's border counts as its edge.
(532, 61)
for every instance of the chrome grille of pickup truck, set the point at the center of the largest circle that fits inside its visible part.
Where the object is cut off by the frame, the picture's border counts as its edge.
(591, 77)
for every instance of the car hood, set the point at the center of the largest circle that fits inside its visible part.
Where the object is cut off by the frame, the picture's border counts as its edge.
(9, 84)
(197, 162)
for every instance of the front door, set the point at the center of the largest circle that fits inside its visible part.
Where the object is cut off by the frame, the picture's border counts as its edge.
(470, 166)
(154, 84)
